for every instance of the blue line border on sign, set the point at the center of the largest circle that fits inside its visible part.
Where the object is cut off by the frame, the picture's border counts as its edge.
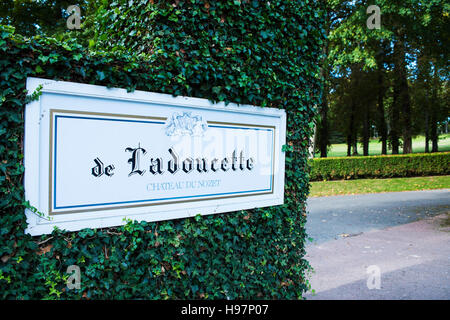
(147, 200)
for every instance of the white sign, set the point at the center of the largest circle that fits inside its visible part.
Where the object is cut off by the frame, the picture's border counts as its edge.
(95, 156)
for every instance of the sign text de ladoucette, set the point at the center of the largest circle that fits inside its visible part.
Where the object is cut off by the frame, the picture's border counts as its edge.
(94, 156)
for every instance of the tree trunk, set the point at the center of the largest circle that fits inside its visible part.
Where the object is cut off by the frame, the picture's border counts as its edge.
(349, 145)
(352, 141)
(312, 143)
(433, 119)
(381, 118)
(434, 135)
(366, 131)
(423, 78)
(323, 134)
(427, 130)
(406, 113)
(401, 94)
(394, 137)
(396, 103)
(380, 110)
(354, 133)
(355, 145)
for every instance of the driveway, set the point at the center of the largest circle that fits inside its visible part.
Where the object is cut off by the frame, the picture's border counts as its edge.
(402, 239)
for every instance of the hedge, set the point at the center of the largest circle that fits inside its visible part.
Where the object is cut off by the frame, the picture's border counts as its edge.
(408, 165)
(260, 53)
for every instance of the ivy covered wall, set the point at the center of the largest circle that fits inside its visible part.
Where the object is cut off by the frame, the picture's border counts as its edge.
(252, 52)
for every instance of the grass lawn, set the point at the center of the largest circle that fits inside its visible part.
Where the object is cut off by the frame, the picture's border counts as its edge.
(330, 188)
(340, 150)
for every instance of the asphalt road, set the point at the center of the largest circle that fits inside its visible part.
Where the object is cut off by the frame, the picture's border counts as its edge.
(401, 234)
(341, 216)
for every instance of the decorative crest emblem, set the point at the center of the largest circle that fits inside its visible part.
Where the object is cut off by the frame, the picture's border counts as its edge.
(185, 124)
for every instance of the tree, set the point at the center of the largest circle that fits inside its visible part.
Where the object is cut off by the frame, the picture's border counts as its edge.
(355, 48)
(381, 125)
(45, 17)
(408, 27)
(431, 75)
(334, 13)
